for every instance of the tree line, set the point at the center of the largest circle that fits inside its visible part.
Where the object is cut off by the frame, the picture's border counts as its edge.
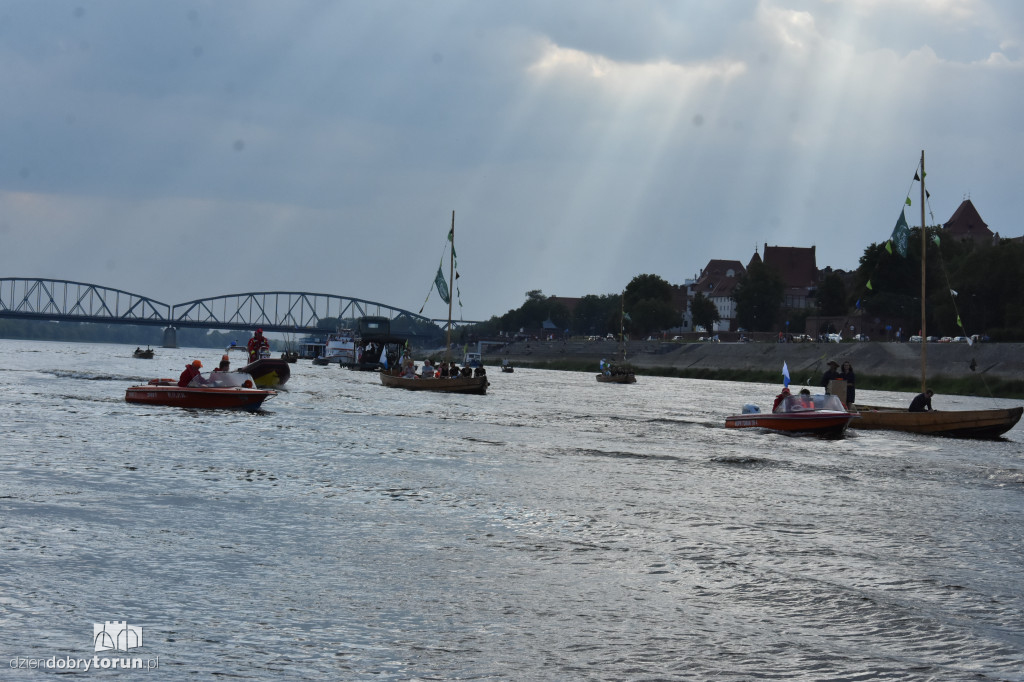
(970, 289)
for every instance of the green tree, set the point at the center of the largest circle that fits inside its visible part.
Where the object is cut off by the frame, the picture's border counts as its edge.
(831, 296)
(758, 294)
(593, 312)
(704, 312)
(648, 301)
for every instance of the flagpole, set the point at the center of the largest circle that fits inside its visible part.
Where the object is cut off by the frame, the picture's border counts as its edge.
(451, 278)
(924, 261)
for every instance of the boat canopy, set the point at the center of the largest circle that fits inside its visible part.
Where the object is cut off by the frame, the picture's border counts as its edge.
(805, 403)
(222, 380)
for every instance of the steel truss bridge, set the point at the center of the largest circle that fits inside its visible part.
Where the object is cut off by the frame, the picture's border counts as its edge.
(275, 311)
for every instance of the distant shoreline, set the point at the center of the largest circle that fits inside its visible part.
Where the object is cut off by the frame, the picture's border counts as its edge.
(998, 368)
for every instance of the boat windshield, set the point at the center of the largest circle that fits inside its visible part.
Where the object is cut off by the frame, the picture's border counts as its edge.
(804, 403)
(222, 380)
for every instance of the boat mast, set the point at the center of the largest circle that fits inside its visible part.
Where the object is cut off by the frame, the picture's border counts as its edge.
(451, 292)
(924, 260)
(622, 325)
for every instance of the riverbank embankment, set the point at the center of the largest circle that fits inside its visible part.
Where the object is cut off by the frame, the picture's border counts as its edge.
(995, 369)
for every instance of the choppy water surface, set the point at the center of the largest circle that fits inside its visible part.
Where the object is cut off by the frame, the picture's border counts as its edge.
(554, 529)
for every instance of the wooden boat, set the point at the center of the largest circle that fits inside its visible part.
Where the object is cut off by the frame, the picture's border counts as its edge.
(981, 424)
(143, 354)
(224, 391)
(617, 376)
(268, 372)
(474, 385)
(821, 415)
(621, 373)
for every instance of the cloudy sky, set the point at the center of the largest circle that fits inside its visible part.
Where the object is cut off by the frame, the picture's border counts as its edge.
(185, 149)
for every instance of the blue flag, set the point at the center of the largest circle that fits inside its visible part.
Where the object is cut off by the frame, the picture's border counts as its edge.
(785, 374)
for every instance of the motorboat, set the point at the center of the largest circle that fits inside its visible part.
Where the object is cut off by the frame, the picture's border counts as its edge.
(268, 372)
(216, 390)
(143, 354)
(818, 414)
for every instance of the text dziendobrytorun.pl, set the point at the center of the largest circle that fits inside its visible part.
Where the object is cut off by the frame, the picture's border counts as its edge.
(86, 664)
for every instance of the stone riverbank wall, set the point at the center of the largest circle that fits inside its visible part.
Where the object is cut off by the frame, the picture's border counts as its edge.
(805, 360)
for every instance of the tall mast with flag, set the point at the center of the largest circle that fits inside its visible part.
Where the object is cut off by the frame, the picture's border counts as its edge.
(451, 278)
(924, 261)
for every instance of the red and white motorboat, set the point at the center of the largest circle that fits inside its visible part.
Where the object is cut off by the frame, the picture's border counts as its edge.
(819, 414)
(216, 390)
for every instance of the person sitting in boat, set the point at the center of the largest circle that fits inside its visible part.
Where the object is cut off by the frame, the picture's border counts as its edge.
(480, 372)
(466, 372)
(805, 399)
(427, 371)
(225, 364)
(922, 402)
(191, 373)
(780, 398)
(257, 344)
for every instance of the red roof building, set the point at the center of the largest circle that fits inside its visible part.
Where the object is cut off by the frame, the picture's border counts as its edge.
(966, 225)
(798, 268)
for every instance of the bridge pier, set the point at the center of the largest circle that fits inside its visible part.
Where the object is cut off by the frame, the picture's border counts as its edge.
(170, 338)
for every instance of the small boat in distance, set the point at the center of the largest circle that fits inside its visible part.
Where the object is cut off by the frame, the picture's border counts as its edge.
(621, 373)
(216, 390)
(823, 415)
(506, 366)
(143, 354)
(616, 374)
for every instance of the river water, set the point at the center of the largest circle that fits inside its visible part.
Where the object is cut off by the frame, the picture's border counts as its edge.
(554, 529)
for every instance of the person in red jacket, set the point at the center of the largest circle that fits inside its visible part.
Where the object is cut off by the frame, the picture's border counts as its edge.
(190, 373)
(257, 344)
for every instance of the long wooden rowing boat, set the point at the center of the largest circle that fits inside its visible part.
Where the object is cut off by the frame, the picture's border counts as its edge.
(981, 424)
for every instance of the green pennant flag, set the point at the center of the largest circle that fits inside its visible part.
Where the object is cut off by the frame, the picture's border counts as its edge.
(442, 285)
(901, 234)
(888, 246)
(959, 323)
(935, 238)
(869, 285)
(909, 202)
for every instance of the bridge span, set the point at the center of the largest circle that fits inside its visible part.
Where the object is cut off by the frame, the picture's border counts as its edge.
(274, 311)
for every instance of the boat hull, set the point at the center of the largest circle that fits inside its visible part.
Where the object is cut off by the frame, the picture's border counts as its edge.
(821, 423)
(979, 424)
(473, 385)
(209, 398)
(268, 372)
(617, 378)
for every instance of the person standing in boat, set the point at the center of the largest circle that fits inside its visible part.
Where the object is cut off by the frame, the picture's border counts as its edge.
(846, 373)
(831, 373)
(922, 402)
(190, 373)
(257, 344)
